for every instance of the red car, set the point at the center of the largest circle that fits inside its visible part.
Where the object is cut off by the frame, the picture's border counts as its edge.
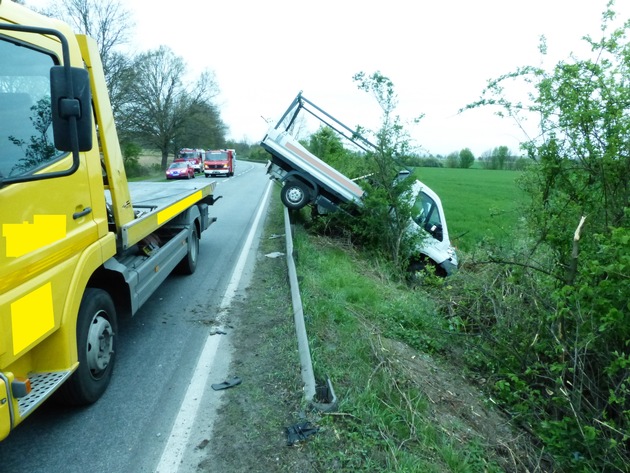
(180, 170)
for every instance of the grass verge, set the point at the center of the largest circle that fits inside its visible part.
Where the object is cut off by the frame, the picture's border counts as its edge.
(402, 407)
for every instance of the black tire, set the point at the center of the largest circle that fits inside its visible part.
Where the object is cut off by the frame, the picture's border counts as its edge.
(295, 195)
(96, 348)
(188, 264)
(419, 268)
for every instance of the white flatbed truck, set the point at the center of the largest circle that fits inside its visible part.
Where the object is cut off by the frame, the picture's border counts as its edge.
(308, 180)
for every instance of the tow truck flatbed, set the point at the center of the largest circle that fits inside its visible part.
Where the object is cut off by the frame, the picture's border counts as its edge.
(155, 203)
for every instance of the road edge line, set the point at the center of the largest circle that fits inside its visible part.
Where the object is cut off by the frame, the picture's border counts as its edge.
(175, 447)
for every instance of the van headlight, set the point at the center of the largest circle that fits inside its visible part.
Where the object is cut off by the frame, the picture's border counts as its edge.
(452, 255)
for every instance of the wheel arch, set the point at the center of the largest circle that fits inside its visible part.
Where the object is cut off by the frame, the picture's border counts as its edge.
(299, 176)
(422, 260)
(115, 285)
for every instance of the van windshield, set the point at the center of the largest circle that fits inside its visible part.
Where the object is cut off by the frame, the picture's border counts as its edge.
(427, 215)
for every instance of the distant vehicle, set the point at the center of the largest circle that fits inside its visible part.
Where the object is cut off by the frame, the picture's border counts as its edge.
(180, 170)
(193, 156)
(220, 162)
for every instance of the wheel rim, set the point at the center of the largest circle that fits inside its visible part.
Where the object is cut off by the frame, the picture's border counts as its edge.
(100, 345)
(295, 195)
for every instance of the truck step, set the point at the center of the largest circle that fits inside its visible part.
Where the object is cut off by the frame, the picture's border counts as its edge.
(42, 386)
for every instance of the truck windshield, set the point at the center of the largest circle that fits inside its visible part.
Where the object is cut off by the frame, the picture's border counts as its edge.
(216, 157)
(26, 135)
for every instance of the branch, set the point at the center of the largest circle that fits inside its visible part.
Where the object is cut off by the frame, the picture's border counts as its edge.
(572, 270)
(515, 263)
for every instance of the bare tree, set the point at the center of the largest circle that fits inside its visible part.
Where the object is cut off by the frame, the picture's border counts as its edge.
(160, 105)
(109, 23)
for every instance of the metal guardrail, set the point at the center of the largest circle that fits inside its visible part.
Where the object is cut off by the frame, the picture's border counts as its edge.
(320, 396)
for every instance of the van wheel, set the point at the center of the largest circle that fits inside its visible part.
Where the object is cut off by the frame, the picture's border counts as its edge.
(96, 349)
(294, 194)
(189, 264)
(417, 270)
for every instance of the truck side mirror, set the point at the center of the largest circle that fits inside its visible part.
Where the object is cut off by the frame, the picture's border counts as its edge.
(71, 98)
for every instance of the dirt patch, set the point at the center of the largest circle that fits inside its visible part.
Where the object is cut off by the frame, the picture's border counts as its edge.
(462, 411)
(250, 432)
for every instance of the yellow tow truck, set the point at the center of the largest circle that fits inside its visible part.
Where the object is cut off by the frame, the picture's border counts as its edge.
(79, 244)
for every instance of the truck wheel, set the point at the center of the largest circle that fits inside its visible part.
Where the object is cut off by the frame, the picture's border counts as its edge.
(294, 195)
(188, 265)
(96, 345)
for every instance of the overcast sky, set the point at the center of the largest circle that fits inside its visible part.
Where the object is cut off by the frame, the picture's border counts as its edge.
(439, 55)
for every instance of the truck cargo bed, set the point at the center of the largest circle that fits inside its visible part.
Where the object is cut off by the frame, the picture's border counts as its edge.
(304, 175)
(291, 157)
(155, 203)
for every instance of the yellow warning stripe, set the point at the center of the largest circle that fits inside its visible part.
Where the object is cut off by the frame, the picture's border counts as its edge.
(178, 207)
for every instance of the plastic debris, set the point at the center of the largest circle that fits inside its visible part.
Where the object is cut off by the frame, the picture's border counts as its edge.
(300, 432)
(275, 254)
(235, 381)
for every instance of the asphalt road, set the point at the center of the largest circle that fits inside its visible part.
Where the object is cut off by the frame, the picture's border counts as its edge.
(128, 429)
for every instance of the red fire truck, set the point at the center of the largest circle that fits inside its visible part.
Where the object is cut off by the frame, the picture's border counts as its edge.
(193, 156)
(220, 162)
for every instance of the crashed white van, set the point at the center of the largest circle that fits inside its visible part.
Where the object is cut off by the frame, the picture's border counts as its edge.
(428, 217)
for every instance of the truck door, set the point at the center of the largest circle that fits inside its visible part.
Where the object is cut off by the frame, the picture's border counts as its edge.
(44, 223)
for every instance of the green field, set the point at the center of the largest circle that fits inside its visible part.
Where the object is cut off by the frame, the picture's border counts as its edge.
(479, 204)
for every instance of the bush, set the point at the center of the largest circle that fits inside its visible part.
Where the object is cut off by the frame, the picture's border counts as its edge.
(430, 162)
(131, 159)
(553, 321)
(556, 356)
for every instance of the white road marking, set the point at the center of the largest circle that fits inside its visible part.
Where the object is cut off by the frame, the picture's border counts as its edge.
(180, 433)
